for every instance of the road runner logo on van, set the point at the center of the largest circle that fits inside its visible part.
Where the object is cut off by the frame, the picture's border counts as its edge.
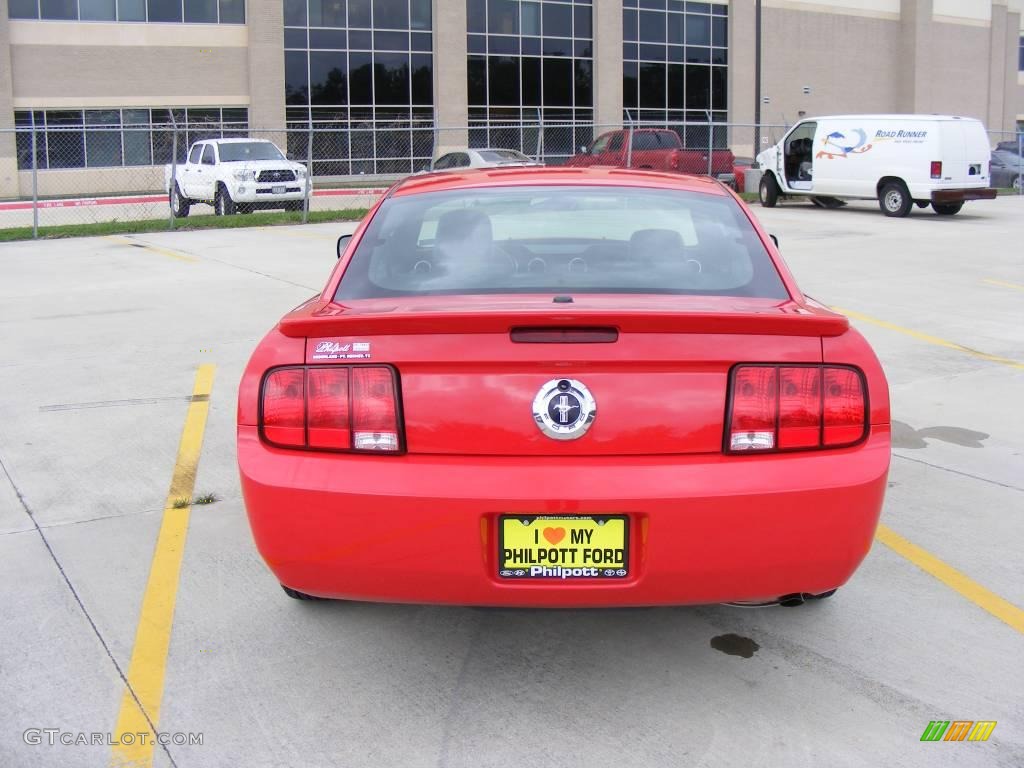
(837, 144)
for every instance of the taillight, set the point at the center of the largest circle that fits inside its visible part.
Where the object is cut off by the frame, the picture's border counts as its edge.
(328, 414)
(284, 407)
(795, 407)
(374, 412)
(334, 408)
(936, 169)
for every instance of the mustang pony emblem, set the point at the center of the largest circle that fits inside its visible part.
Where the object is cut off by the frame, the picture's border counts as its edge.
(564, 409)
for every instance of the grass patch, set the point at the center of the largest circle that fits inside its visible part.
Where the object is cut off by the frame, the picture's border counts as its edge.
(207, 498)
(255, 219)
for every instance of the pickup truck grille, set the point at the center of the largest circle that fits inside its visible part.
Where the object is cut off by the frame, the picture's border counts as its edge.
(276, 176)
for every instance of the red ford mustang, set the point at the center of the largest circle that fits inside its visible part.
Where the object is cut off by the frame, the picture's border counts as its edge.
(562, 387)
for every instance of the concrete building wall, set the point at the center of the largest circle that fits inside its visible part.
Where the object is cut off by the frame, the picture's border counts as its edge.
(959, 69)
(451, 90)
(68, 64)
(1014, 107)
(828, 54)
(607, 31)
(8, 154)
(59, 182)
(265, 72)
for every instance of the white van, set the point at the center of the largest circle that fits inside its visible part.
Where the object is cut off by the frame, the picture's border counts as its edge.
(899, 160)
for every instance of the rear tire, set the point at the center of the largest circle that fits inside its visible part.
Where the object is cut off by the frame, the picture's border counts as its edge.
(296, 595)
(947, 209)
(1017, 183)
(180, 204)
(894, 199)
(768, 191)
(223, 205)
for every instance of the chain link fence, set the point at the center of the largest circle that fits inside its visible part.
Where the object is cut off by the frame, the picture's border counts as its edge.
(64, 175)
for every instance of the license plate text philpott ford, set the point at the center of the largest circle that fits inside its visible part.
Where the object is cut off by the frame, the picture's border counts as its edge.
(563, 547)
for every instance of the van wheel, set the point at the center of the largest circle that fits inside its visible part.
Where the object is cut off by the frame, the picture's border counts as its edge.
(768, 191)
(180, 204)
(894, 199)
(947, 209)
(1017, 183)
(223, 205)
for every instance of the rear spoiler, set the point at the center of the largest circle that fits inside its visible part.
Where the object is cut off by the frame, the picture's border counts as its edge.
(318, 321)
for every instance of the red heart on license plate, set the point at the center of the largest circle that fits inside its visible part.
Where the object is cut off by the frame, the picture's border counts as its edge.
(554, 535)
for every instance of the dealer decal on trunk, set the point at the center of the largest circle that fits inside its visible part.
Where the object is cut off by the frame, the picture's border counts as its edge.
(336, 350)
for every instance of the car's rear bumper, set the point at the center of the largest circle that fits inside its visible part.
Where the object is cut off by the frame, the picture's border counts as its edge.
(702, 528)
(945, 196)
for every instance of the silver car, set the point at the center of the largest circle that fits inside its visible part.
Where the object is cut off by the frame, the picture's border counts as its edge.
(1006, 170)
(482, 158)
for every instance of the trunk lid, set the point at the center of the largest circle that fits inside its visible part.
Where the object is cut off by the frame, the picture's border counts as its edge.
(468, 386)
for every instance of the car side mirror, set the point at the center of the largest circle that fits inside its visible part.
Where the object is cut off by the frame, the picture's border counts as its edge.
(584, 150)
(774, 240)
(343, 244)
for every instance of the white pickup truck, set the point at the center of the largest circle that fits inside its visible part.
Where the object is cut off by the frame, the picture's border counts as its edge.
(236, 175)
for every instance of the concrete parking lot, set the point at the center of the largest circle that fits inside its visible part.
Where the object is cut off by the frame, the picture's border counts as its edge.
(100, 343)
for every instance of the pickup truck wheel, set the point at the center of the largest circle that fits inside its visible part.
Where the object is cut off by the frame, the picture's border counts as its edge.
(947, 209)
(180, 205)
(894, 199)
(768, 191)
(223, 205)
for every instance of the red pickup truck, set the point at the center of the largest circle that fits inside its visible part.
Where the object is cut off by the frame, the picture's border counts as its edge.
(653, 148)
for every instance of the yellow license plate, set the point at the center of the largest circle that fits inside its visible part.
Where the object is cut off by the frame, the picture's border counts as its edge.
(563, 547)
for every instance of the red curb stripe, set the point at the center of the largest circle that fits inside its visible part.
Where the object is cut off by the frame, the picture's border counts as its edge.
(88, 202)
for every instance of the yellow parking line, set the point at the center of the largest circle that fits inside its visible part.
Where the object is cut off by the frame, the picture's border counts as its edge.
(154, 248)
(989, 601)
(140, 704)
(1005, 284)
(930, 339)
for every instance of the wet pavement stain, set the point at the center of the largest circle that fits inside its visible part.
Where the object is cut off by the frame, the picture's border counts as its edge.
(905, 436)
(735, 645)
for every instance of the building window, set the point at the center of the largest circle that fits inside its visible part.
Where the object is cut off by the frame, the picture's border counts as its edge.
(110, 138)
(530, 64)
(1020, 55)
(675, 58)
(189, 11)
(361, 75)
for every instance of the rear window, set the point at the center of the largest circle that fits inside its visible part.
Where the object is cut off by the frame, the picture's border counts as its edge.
(573, 239)
(655, 140)
(503, 156)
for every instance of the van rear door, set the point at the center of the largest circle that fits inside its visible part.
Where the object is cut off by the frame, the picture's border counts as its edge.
(965, 154)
